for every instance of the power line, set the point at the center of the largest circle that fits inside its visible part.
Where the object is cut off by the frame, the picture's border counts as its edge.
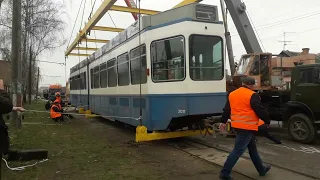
(49, 76)
(291, 12)
(271, 37)
(270, 25)
(52, 62)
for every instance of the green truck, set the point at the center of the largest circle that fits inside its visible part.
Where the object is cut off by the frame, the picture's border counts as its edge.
(302, 110)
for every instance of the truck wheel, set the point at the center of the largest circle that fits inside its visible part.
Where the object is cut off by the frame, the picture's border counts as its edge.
(301, 129)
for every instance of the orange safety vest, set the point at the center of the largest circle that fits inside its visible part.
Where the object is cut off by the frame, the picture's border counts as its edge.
(59, 99)
(54, 114)
(242, 115)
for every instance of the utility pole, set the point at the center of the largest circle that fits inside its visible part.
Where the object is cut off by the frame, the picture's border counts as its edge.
(30, 76)
(16, 61)
(38, 77)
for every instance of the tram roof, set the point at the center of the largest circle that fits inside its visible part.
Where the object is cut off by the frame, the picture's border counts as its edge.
(190, 12)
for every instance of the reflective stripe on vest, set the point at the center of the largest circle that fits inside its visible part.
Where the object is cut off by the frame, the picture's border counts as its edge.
(243, 119)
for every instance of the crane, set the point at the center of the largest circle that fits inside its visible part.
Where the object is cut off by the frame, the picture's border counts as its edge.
(237, 10)
(132, 4)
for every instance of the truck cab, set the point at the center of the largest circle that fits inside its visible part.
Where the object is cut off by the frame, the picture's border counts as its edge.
(303, 112)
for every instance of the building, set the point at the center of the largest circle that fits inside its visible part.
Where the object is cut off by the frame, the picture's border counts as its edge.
(287, 60)
(5, 73)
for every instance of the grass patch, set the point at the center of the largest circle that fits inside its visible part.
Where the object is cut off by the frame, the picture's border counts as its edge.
(76, 151)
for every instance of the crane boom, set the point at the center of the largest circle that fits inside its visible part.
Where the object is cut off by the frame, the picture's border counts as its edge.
(132, 4)
(237, 10)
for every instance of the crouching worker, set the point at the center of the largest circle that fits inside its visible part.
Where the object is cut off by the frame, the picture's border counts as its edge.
(263, 131)
(56, 111)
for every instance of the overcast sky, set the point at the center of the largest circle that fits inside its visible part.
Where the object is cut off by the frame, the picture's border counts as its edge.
(270, 17)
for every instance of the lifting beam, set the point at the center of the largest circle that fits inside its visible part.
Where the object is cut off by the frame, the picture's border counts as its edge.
(111, 29)
(105, 6)
(94, 40)
(186, 2)
(88, 49)
(76, 54)
(133, 10)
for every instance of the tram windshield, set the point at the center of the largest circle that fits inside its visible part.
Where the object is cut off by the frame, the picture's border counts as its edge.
(206, 58)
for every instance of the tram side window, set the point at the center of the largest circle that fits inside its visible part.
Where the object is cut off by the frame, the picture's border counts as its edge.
(206, 58)
(91, 78)
(103, 75)
(84, 80)
(112, 73)
(123, 70)
(168, 59)
(96, 78)
(71, 83)
(137, 58)
(81, 81)
(76, 82)
(78, 85)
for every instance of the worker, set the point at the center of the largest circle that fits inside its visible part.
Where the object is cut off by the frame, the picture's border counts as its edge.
(56, 111)
(244, 108)
(263, 130)
(58, 97)
(6, 107)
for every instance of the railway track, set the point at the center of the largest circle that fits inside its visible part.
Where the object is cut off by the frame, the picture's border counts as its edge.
(245, 167)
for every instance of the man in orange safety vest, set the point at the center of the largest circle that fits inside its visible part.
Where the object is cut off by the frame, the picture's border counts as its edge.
(244, 108)
(56, 111)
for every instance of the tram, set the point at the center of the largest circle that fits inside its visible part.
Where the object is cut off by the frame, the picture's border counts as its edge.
(165, 72)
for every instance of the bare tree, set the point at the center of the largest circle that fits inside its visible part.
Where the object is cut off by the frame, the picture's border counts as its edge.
(42, 30)
(1, 1)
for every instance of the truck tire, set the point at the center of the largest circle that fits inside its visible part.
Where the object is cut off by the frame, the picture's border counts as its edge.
(301, 129)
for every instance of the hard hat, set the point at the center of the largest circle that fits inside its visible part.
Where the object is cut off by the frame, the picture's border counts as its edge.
(57, 93)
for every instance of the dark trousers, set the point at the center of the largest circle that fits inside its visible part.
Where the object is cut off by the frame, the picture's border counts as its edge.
(263, 131)
(58, 119)
(244, 139)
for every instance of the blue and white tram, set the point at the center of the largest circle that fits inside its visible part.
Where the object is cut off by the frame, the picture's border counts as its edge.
(182, 75)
